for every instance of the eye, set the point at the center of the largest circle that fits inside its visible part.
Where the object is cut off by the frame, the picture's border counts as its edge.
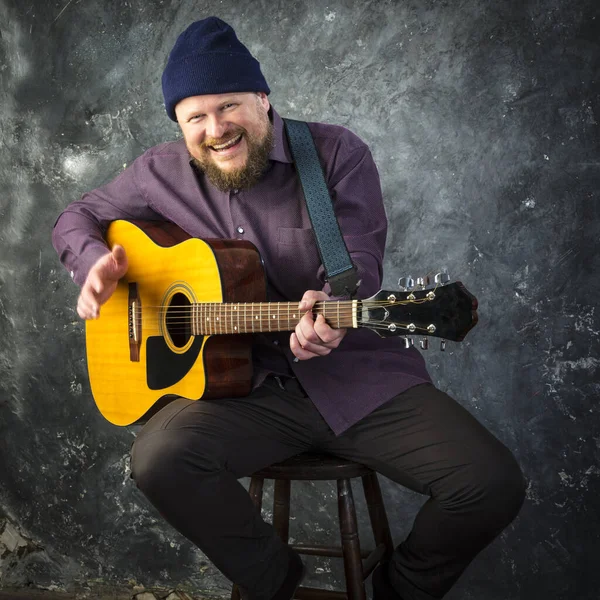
(228, 106)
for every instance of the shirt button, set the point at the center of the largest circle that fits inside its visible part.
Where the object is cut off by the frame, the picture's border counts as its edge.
(295, 359)
(235, 191)
(240, 230)
(276, 342)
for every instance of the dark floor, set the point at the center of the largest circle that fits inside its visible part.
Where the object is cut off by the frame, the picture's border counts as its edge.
(47, 595)
(33, 594)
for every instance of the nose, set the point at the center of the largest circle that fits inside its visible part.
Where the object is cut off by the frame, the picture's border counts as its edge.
(215, 127)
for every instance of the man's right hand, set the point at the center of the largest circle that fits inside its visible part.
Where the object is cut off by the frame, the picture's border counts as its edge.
(101, 282)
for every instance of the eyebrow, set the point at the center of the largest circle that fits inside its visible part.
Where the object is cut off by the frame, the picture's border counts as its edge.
(192, 112)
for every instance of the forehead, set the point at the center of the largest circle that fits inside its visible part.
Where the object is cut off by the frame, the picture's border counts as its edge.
(209, 102)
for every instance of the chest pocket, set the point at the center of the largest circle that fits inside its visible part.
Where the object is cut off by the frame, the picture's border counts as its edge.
(298, 261)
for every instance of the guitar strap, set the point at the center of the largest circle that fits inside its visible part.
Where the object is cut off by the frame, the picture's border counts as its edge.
(340, 272)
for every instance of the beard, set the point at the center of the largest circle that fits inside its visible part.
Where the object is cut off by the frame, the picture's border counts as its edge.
(257, 161)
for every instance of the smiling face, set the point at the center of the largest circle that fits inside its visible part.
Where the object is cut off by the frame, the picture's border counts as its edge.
(229, 136)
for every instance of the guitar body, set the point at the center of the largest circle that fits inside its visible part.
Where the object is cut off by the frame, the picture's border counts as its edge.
(169, 271)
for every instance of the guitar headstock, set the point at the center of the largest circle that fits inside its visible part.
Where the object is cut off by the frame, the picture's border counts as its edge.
(427, 307)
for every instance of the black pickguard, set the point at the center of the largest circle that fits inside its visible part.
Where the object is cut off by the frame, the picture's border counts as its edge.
(164, 368)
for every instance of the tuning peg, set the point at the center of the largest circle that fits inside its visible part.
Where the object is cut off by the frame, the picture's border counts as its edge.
(443, 345)
(406, 283)
(442, 278)
(425, 344)
(420, 283)
(408, 342)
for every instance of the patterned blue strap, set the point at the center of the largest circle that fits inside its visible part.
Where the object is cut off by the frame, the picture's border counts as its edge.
(339, 270)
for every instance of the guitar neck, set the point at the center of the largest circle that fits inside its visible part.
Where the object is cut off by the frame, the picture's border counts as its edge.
(211, 318)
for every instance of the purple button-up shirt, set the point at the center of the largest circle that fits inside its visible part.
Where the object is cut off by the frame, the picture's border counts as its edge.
(365, 371)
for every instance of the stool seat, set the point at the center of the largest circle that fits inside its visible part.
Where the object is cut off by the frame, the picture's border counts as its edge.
(313, 466)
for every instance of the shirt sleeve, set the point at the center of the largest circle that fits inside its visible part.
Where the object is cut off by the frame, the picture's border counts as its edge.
(355, 189)
(78, 234)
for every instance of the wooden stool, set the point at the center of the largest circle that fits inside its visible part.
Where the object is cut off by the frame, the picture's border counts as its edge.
(320, 467)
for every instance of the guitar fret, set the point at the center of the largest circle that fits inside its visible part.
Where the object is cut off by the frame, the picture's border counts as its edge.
(213, 318)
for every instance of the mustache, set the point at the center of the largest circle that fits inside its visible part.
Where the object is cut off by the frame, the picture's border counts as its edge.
(223, 139)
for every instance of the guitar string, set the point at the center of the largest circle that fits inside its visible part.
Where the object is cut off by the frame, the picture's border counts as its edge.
(399, 329)
(177, 319)
(179, 327)
(180, 321)
(331, 304)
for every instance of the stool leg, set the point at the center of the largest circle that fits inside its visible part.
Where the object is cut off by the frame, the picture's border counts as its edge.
(281, 509)
(355, 587)
(256, 493)
(377, 513)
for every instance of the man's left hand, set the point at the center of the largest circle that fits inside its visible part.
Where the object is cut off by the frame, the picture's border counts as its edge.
(314, 337)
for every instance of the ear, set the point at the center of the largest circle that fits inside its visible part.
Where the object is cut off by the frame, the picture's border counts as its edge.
(264, 100)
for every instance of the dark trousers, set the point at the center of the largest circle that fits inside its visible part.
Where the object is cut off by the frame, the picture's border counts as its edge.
(188, 458)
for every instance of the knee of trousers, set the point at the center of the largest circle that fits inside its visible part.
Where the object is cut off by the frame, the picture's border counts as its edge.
(167, 458)
(505, 487)
(493, 488)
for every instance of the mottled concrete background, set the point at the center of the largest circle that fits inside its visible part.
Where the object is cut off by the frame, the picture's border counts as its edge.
(483, 119)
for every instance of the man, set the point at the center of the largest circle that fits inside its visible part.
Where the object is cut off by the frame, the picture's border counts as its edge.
(348, 393)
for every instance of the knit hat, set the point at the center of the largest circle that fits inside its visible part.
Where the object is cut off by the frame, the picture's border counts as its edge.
(208, 58)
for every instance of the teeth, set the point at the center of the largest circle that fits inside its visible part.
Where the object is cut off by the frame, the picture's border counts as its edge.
(228, 144)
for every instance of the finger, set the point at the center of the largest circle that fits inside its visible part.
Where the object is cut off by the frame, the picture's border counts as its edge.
(89, 297)
(329, 336)
(120, 260)
(318, 332)
(298, 351)
(316, 348)
(309, 299)
(94, 284)
(87, 308)
(305, 329)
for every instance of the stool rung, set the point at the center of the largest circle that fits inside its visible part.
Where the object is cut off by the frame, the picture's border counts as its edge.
(333, 551)
(308, 593)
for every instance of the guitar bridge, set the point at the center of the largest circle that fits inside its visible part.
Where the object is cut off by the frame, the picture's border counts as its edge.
(134, 325)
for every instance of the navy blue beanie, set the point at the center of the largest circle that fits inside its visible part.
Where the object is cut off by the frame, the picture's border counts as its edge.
(208, 58)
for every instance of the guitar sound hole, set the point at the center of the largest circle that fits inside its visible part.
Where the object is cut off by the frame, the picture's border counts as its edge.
(178, 320)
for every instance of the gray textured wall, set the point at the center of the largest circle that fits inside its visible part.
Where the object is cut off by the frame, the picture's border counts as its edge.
(483, 119)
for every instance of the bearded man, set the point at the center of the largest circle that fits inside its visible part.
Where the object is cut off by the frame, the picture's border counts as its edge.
(348, 393)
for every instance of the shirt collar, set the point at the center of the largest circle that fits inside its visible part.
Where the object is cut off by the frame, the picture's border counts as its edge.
(281, 150)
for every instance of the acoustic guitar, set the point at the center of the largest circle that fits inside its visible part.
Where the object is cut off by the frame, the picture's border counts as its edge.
(180, 321)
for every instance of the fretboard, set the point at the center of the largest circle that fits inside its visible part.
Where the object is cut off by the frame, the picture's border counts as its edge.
(210, 318)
